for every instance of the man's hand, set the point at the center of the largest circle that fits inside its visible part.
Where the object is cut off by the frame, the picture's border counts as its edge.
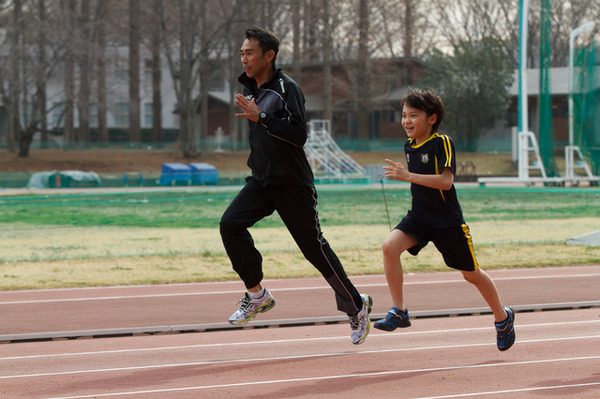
(251, 110)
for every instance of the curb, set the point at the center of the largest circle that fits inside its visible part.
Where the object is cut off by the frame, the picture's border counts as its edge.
(278, 323)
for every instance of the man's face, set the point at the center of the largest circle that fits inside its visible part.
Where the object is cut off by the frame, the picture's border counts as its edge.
(255, 63)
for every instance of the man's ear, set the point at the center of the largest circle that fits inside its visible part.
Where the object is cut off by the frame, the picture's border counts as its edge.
(269, 55)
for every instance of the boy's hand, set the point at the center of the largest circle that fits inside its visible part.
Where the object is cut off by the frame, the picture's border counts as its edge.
(396, 170)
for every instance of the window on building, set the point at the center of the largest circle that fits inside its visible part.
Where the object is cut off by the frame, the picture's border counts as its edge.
(148, 114)
(58, 118)
(148, 75)
(121, 73)
(122, 114)
(27, 115)
(93, 115)
(216, 83)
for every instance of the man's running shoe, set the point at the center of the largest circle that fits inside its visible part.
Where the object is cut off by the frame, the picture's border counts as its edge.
(359, 322)
(506, 330)
(250, 307)
(394, 319)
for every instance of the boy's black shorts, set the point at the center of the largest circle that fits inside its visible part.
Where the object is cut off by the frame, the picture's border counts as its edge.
(454, 243)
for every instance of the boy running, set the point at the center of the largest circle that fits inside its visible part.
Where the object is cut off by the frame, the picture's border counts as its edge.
(435, 214)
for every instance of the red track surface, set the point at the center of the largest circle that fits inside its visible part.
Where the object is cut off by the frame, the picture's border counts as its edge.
(557, 353)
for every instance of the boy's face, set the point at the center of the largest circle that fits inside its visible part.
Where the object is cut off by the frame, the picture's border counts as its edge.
(417, 124)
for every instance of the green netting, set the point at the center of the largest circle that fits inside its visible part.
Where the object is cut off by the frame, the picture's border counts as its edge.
(586, 104)
(546, 133)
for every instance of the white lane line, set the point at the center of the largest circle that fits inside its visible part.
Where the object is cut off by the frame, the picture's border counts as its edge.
(310, 288)
(294, 357)
(333, 377)
(519, 327)
(519, 390)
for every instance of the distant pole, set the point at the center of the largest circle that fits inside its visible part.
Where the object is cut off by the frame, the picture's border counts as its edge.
(523, 117)
(574, 33)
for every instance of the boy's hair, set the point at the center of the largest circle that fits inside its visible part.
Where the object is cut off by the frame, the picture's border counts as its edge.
(267, 41)
(425, 100)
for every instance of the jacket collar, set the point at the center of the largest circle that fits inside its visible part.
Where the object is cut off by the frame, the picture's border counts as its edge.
(251, 83)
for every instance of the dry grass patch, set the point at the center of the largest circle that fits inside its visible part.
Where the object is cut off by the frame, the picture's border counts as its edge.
(101, 256)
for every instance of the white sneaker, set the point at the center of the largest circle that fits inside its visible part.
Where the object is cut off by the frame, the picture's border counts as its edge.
(360, 323)
(250, 307)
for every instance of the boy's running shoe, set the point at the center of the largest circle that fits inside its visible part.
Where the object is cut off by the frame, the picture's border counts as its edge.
(506, 330)
(250, 307)
(394, 319)
(359, 322)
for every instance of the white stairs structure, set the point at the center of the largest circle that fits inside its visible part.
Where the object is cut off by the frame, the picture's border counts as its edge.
(326, 158)
(571, 165)
(527, 145)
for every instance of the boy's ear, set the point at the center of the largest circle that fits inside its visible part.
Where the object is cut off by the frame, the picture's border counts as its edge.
(432, 119)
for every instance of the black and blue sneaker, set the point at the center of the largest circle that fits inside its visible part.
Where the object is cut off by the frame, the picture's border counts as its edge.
(394, 319)
(506, 330)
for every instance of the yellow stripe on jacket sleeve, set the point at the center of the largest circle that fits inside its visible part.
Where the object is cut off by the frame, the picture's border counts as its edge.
(448, 150)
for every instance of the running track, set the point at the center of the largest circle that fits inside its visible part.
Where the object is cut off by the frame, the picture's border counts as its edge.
(171, 341)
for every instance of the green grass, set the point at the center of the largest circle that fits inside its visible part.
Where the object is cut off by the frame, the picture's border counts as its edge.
(338, 205)
(71, 240)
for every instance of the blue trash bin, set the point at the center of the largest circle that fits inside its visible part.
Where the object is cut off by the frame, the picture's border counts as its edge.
(204, 173)
(174, 173)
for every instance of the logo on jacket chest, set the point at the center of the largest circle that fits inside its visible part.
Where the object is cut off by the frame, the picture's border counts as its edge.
(424, 158)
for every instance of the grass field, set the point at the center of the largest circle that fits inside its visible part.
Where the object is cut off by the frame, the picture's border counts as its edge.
(172, 236)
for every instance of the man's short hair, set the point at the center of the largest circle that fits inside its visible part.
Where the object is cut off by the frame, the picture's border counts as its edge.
(267, 40)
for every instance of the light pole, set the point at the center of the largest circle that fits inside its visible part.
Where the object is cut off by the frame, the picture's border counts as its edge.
(523, 111)
(523, 117)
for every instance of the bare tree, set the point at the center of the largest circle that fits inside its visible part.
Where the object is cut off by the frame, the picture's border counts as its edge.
(156, 76)
(100, 57)
(193, 53)
(135, 135)
(41, 77)
(327, 56)
(83, 55)
(296, 19)
(181, 53)
(13, 98)
(363, 95)
(409, 34)
(69, 15)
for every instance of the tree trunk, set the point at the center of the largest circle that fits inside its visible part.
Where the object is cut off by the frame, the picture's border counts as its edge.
(69, 129)
(83, 105)
(156, 80)
(408, 27)
(327, 49)
(135, 135)
(101, 72)
(14, 84)
(362, 112)
(25, 140)
(232, 74)
(296, 41)
(187, 127)
(41, 77)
